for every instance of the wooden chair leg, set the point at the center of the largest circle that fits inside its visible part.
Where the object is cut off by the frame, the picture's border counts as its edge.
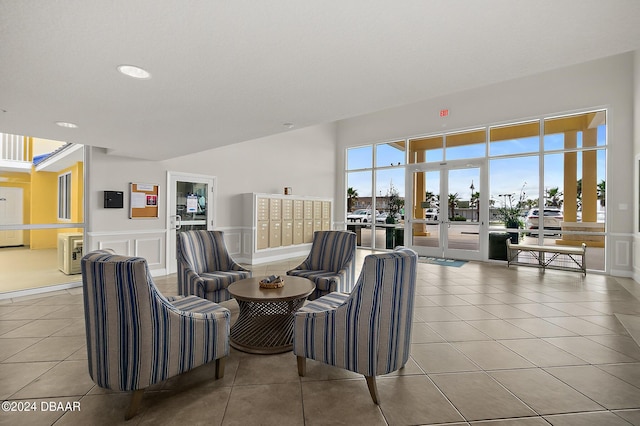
(220, 362)
(136, 397)
(302, 365)
(373, 389)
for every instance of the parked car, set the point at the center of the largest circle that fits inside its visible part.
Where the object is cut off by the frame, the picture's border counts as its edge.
(431, 214)
(361, 215)
(553, 218)
(382, 217)
(600, 215)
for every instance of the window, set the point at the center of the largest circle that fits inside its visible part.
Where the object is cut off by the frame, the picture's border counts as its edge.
(375, 191)
(554, 164)
(64, 196)
(514, 138)
(464, 145)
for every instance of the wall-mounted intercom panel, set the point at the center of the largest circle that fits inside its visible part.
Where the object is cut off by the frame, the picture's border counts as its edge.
(113, 199)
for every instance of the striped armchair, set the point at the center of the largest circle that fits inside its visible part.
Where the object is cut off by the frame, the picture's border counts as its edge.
(367, 331)
(205, 268)
(330, 264)
(135, 336)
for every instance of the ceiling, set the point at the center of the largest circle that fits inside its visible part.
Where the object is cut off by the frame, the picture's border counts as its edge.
(229, 71)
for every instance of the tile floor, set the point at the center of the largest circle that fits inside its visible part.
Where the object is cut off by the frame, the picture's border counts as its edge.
(491, 346)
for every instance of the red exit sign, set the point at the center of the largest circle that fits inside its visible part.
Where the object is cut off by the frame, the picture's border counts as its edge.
(444, 112)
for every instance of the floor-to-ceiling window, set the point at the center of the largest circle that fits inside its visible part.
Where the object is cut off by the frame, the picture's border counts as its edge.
(543, 180)
(376, 193)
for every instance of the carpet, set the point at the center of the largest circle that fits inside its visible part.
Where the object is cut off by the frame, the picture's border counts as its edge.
(441, 261)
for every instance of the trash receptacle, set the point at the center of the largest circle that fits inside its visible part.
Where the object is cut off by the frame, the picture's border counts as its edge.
(498, 245)
(358, 231)
(394, 236)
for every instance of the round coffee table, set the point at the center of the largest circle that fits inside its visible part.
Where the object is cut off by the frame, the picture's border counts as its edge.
(265, 321)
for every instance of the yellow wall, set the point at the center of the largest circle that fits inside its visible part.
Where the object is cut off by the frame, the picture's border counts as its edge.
(44, 208)
(77, 188)
(45, 204)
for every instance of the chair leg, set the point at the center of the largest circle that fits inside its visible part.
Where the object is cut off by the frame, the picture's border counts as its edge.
(220, 362)
(136, 397)
(302, 365)
(373, 389)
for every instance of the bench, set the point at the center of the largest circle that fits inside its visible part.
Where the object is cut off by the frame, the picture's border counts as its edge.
(549, 256)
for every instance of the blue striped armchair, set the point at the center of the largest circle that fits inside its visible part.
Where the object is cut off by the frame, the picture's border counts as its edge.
(205, 268)
(330, 264)
(135, 336)
(367, 331)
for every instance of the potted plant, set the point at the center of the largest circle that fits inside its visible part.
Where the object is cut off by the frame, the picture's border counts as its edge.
(394, 236)
(512, 220)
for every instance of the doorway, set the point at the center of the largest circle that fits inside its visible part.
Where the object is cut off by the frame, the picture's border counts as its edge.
(445, 218)
(191, 207)
(11, 214)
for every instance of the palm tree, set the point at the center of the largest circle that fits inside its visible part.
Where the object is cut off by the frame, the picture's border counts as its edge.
(453, 202)
(554, 197)
(602, 192)
(579, 194)
(352, 197)
(475, 202)
(429, 197)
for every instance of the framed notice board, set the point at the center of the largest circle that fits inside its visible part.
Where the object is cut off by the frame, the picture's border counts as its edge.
(143, 201)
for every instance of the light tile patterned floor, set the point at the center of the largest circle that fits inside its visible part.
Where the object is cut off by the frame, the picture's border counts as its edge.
(491, 345)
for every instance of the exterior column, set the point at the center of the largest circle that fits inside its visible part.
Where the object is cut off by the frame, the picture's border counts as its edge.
(589, 177)
(570, 181)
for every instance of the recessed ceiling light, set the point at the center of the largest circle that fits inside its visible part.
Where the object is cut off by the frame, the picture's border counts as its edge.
(67, 124)
(288, 125)
(134, 72)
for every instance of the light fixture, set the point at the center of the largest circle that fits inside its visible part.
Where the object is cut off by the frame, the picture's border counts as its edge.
(134, 72)
(67, 124)
(288, 125)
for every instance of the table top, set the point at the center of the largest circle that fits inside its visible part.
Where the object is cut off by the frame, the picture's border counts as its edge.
(249, 289)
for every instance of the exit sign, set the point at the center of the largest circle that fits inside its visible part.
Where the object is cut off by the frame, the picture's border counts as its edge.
(444, 112)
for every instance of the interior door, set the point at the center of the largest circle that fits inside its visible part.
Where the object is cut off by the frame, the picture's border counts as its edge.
(11, 214)
(446, 216)
(191, 207)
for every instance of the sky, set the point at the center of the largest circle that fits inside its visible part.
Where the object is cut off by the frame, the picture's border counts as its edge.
(516, 174)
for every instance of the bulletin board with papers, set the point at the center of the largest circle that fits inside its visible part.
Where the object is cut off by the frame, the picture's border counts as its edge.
(144, 201)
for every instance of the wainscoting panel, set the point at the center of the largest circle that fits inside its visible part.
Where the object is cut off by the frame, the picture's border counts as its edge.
(119, 246)
(233, 240)
(151, 249)
(150, 244)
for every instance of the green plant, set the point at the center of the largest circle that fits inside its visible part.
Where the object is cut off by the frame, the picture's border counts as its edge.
(352, 197)
(510, 216)
(396, 203)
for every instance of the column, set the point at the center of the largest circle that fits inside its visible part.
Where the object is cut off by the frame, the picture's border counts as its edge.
(589, 177)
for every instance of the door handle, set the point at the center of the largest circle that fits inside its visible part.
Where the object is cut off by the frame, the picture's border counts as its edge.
(176, 221)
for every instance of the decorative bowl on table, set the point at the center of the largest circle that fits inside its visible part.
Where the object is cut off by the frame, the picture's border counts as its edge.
(274, 281)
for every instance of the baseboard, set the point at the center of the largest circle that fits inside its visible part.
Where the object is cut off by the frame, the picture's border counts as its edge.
(39, 290)
(623, 273)
(160, 272)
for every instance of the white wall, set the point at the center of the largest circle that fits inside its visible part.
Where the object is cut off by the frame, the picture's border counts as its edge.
(112, 228)
(636, 153)
(303, 159)
(602, 83)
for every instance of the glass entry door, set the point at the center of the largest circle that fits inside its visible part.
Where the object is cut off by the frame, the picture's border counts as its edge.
(446, 216)
(190, 208)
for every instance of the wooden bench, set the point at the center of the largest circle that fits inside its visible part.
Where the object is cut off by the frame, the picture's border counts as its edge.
(547, 256)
